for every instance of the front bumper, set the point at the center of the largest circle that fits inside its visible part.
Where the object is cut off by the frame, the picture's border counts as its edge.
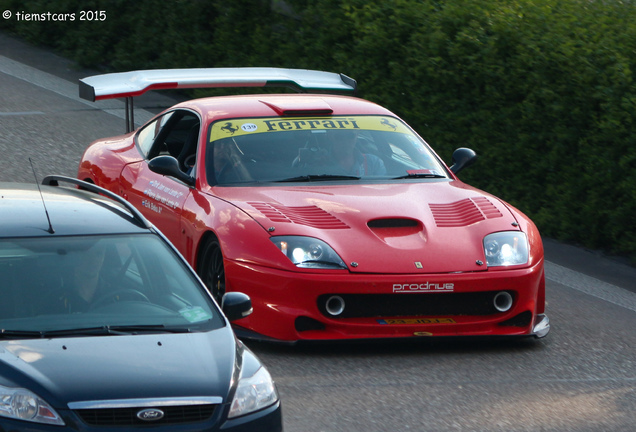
(293, 306)
(117, 420)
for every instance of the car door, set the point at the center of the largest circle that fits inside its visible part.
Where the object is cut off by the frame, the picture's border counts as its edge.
(161, 198)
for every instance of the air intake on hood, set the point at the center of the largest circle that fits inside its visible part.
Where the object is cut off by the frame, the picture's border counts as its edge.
(393, 223)
(465, 212)
(312, 216)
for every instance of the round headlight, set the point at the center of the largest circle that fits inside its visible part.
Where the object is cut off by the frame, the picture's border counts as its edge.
(491, 248)
(315, 251)
(298, 255)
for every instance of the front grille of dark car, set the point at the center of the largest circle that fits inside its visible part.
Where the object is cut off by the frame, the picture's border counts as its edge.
(413, 304)
(128, 416)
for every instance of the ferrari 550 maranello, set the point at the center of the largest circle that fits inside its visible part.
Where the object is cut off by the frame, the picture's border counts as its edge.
(335, 217)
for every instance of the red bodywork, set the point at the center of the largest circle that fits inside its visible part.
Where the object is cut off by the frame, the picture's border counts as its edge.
(393, 270)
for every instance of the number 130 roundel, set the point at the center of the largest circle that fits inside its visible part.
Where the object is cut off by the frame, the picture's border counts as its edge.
(335, 217)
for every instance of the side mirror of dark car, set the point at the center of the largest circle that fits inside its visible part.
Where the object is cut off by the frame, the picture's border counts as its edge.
(169, 166)
(236, 305)
(462, 158)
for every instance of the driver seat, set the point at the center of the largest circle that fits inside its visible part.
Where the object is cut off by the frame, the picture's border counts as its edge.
(189, 149)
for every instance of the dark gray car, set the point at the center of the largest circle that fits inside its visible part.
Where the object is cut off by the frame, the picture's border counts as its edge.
(104, 326)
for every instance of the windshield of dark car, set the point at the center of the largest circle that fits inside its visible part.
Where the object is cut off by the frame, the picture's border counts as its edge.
(344, 148)
(52, 283)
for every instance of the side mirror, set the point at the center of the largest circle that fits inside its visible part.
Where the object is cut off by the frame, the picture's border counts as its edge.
(462, 158)
(169, 166)
(236, 305)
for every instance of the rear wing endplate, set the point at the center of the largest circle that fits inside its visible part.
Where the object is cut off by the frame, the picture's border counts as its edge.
(130, 84)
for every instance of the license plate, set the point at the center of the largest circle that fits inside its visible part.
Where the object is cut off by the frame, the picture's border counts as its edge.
(417, 321)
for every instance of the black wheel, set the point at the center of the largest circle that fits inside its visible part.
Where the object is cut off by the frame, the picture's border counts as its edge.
(211, 269)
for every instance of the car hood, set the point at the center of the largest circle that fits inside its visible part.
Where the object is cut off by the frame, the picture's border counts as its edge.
(432, 226)
(63, 370)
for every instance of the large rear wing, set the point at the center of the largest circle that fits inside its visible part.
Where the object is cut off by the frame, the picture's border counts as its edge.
(130, 84)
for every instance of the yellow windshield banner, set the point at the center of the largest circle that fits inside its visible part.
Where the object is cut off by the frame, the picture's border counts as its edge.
(248, 126)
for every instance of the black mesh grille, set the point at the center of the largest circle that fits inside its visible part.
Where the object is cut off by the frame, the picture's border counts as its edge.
(406, 304)
(521, 320)
(128, 416)
(304, 323)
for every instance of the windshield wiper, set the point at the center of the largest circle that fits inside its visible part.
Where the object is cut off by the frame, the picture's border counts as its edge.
(88, 331)
(419, 175)
(118, 330)
(318, 177)
(19, 334)
(150, 328)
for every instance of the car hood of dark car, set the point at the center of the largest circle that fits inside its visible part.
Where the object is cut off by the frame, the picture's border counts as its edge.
(76, 369)
(438, 224)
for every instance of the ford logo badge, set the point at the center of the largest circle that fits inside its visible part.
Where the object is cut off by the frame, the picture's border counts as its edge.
(150, 414)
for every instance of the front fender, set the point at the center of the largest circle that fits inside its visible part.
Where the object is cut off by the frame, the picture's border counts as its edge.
(103, 161)
(241, 237)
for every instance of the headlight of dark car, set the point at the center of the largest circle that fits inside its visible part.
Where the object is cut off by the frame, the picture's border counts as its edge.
(21, 404)
(506, 248)
(309, 252)
(253, 393)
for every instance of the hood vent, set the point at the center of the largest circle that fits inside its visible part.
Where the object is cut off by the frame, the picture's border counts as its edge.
(399, 233)
(312, 216)
(465, 212)
(393, 223)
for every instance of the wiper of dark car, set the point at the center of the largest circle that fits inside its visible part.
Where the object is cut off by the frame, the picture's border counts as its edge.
(160, 328)
(19, 334)
(315, 177)
(92, 331)
(88, 331)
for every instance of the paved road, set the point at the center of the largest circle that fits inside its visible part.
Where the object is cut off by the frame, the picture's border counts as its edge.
(582, 377)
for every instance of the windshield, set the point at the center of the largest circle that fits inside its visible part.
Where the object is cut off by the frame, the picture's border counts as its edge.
(316, 148)
(50, 284)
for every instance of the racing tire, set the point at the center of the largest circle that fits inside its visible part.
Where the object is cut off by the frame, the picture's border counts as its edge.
(211, 269)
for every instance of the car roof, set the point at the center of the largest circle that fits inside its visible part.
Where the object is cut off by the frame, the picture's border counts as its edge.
(71, 211)
(281, 105)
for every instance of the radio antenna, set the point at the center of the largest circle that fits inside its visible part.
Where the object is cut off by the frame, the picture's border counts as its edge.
(50, 230)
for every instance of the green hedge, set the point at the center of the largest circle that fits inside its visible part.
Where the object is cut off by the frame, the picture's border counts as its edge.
(542, 90)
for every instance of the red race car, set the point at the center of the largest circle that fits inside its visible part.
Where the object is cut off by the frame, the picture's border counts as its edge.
(329, 211)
